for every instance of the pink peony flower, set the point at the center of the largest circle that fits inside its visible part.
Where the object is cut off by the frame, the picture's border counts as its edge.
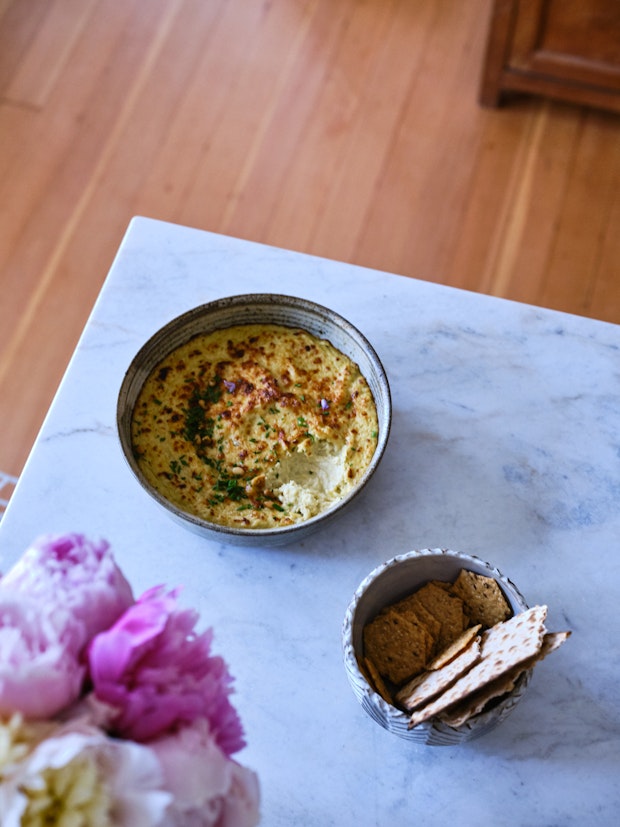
(75, 574)
(155, 673)
(209, 789)
(39, 674)
(81, 777)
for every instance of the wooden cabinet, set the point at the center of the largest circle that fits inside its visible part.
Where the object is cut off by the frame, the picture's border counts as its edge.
(565, 49)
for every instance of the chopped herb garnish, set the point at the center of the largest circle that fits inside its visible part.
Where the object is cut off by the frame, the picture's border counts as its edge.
(199, 425)
(231, 486)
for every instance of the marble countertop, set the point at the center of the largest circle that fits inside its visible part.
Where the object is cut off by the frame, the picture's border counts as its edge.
(505, 443)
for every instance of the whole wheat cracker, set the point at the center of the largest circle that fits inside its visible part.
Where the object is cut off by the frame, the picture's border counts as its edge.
(484, 600)
(376, 681)
(410, 607)
(398, 646)
(446, 607)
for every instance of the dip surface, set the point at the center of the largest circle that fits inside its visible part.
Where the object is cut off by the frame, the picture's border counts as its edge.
(255, 426)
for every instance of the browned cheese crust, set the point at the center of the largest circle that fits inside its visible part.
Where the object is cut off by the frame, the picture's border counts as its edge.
(255, 426)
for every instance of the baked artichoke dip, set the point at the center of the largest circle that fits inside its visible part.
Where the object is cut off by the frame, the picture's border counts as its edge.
(255, 426)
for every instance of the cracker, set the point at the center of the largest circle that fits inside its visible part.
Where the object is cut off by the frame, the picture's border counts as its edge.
(428, 685)
(484, 600)
(376, 681)
(461, 712)
(477, 701)
(551, 642)
(420, 614)
(455, 648)
(446, 607)
(442, 584)
(397, 645)
(503, 647)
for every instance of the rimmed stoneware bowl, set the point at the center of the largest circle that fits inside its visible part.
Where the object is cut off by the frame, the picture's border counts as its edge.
(255, 308)
(387, 584)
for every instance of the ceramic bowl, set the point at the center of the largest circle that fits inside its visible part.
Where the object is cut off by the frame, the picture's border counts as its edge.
(387, 584)
(263, 308)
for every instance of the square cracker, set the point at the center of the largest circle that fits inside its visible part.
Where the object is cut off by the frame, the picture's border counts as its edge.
(398, 645)
(503, 647)
(446, 607)
(484, 600)
(415, 609)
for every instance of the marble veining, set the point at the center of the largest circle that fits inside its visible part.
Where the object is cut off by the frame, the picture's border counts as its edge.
(505, 443)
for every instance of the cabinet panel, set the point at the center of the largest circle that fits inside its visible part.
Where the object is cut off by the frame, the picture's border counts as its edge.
(568, 49)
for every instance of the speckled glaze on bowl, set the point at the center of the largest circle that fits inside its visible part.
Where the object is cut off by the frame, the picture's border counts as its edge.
(255, 308)
(387, 584)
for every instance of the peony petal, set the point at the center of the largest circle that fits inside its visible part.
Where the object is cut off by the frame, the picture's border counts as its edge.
(39, 673)
(84, 770)
(209, 789)
(242, 803)
(168, 679)
(75, 575)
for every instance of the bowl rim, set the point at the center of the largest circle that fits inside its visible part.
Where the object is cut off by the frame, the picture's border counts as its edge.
(431, 732)
(181, 322)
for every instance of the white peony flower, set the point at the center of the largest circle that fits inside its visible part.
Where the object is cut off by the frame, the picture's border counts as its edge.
(17, 740)
(85, 779)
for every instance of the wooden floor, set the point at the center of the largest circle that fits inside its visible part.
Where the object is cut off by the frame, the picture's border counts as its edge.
(345, 128)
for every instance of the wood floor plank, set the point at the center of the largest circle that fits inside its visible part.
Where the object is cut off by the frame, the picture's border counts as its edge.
(185, 152)
(247, 81)
(48, 188)
(35, 274)
(605, 296)
(495, 187)
(523, 243)
(324, 144)
(346, 128)
(410, 226)
(20, 22)
(4, 6)
(378, 111)
(584, 218)
(277, 154)
(47, 53)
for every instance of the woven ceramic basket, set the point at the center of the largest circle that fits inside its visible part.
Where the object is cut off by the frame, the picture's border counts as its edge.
(387, 584)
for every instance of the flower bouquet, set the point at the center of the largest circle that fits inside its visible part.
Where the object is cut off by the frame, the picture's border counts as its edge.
(113, 710)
